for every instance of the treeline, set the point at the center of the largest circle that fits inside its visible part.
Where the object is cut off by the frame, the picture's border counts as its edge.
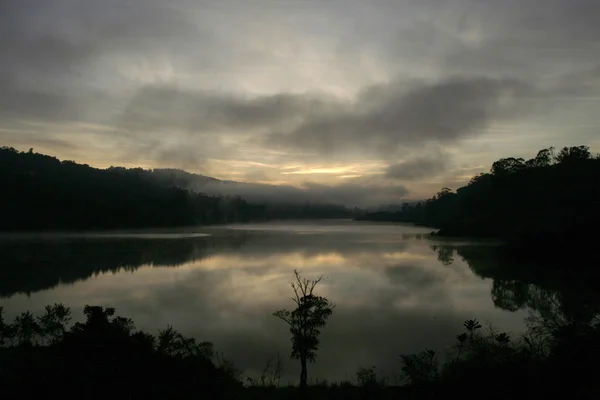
(42, 192)
(553, 195)
(274, 208)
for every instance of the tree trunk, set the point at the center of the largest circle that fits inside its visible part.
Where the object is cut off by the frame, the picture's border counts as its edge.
(303, 373)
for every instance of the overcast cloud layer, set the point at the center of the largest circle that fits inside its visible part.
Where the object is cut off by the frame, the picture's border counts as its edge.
(346, 99)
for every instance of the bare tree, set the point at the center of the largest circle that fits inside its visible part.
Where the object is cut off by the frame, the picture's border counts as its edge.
(305, 321)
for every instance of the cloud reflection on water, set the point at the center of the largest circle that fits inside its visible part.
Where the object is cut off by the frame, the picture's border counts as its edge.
(392, 296)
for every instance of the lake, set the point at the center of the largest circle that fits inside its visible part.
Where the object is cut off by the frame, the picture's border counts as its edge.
(396, 289)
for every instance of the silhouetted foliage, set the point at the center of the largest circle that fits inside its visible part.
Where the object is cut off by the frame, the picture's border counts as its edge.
(311, 314)
(47, 194)
(556, 353)
(420, 368)
(495, 365)
(106, 357)
(25, 329)
(54, 322)
(547, 198)
(573, 155)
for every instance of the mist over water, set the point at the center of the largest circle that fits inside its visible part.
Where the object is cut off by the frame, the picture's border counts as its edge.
(396, 290)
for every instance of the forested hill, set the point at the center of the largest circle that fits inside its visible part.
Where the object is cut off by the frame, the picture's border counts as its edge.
(42, 192)
(549, 196)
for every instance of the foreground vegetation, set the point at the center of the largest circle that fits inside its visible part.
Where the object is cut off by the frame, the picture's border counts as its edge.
(553, 196)
(105, 356)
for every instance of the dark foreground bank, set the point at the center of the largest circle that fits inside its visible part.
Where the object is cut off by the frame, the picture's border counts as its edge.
(106, 357)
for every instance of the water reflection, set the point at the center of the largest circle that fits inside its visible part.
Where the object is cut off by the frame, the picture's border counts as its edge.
(393, 294)
(567, 292)
(30, 265)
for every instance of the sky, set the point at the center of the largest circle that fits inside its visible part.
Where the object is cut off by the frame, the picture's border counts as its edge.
(380, 100)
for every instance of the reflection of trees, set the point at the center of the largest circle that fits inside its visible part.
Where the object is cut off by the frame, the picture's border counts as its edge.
(415, 236)
(554, 291)
(510, 295)
(445, 254)
(31, 266)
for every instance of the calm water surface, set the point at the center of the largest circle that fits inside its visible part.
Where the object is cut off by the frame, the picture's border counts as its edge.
(396, 290)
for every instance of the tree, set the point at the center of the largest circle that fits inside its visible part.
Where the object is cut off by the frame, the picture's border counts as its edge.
(543, 158)
(443, 193)
(53, 323)
(573, 154)
(478, 178)
(421, 367)
(506, 166)
(305, 321)
(26, 329)
(471, 325)
(174, 344)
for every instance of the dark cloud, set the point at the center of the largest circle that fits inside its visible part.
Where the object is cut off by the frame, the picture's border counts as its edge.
(21, 102)
(381, 119)
(50, 52)
(97, 23)
(581, 83)
(416, 168)
(35, 62)
(387, 116)
(166, 107)
(572, 23)
(531, 40)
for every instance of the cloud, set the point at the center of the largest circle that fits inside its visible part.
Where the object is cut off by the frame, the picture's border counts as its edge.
(582, 83)
(19, 103)
(56, 55)
(558, 22)
(157, 107)
(350, 194)
(198, 84)
(532, 40)
(379, 120)
(387, 116)
(257, 175)
(416, 168)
